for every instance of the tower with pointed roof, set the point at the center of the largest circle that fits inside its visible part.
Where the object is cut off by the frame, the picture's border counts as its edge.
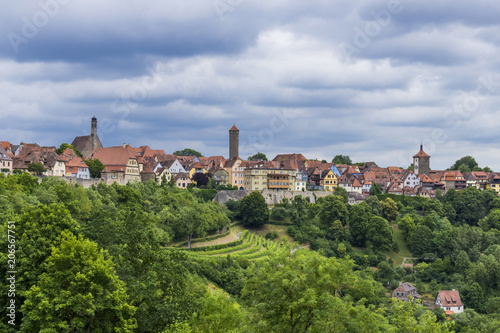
(234, 141)
(421, 162)
(86, 144)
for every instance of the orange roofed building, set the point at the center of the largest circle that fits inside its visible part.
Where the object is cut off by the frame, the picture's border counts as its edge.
(120, 163)
(449, 300)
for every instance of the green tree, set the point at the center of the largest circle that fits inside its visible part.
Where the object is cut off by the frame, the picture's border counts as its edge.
(298, 291)
(421, 241)
(95, 167)
(331, 208)
(217, 313)
(37, 168)
(467, 162)
(359, 220)
(79, 292)
(379, 234)
(473, 296)
(407, 226)
(64, 146)
(342, 159)
(258, 156)
(253, 210)
(492, 221)
(188, 152)
(375, 189)
(340, 191)
(389, 210)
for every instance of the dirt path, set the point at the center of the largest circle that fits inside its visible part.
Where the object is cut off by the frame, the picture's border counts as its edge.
(226, 239)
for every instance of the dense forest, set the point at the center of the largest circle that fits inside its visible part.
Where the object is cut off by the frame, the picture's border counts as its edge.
(117, 259)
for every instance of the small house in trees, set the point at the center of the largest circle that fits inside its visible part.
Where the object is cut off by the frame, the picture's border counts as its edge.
(405, 290)
(449, 301)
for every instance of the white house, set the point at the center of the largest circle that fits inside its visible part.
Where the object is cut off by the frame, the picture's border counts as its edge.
(174, 167)
(76, 167)
(410, 179)
(6, 162)
(449, 301)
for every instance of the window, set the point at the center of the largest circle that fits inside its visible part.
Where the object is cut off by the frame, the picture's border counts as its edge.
(447, 309)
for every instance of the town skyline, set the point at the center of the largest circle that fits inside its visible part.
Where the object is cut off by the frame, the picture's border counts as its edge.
(254, 144)
(371, 80)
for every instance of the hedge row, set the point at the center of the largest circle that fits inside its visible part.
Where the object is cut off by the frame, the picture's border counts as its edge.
(221, 246)
(246, 244)
(205, 239)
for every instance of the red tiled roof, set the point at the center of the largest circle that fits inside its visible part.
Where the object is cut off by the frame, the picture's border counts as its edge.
(118, 156)
(421, 153)
(287, 157)
(5, 144)
(234, 128)
(450, 298)
(76, 162)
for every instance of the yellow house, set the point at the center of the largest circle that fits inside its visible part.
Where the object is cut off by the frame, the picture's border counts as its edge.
(328, 180)
(494, 183)
(196, 168)
(160, 172)
(257, 179)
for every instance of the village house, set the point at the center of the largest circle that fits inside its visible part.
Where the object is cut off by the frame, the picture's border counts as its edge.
(6, 162)
(235, 167)
(77, 168)
(494, 182)
(182, 180)
(219, 175)
(120, 163)
(404, 291)
(449, 301)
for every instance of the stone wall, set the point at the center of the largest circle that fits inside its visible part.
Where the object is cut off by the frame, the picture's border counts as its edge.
(86, 183)
(272, 197)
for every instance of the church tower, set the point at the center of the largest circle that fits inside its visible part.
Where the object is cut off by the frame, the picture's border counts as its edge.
(421, 162)
(234, 141)
(93, 132)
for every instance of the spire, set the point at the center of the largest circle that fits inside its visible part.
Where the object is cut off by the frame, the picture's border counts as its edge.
(421, 147)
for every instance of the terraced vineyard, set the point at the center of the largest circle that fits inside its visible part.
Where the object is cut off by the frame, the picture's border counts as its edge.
(249, 246)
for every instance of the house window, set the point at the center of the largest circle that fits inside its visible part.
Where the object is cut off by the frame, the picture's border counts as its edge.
(447, 309)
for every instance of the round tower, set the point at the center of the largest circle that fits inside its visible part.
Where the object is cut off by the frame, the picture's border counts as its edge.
(234, 141)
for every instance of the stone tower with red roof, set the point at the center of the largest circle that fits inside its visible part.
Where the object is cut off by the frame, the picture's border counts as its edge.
(234, 141)
(421, 162)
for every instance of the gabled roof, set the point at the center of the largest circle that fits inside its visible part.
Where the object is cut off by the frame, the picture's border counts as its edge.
(287, 157)
(4, 156)
(234, 128)
(450, 298)
(113, 155)
(356, 183)
(76, 162)
(5, 144)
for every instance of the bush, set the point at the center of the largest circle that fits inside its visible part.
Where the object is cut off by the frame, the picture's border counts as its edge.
(279, 213)
(272, 235)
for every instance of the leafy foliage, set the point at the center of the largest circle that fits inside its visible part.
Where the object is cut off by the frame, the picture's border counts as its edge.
(187, 152)
(95, 167)
(37, 168)
(253, 209)
(258, 156)
(342, 159)
(65, 146)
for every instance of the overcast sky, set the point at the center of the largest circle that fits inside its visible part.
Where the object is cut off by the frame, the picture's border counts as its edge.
(369, 79)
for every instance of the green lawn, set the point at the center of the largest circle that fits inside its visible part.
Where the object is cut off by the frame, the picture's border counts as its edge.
(404, 251)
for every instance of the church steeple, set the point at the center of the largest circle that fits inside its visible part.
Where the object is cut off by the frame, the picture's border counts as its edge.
(93, 132)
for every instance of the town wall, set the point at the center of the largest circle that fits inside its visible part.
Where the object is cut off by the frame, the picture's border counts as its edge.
(86, 183)
(271, 197)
